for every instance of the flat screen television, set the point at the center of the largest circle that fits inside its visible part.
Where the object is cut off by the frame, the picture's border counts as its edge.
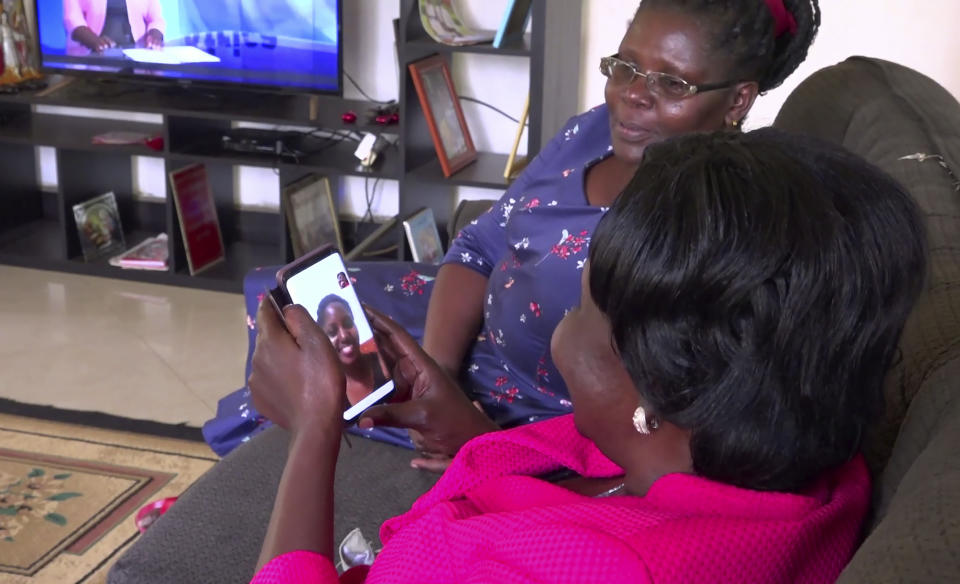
(264, 44)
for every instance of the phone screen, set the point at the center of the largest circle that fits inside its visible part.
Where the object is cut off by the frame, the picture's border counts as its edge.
(325, 290)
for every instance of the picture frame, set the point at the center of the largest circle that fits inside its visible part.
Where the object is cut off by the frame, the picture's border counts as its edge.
(441, 107)
(423, 237)
(311, 214)
(99, 227)
(197, 215)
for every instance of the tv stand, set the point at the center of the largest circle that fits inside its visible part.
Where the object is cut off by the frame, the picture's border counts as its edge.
(37, 228)
(36, 225)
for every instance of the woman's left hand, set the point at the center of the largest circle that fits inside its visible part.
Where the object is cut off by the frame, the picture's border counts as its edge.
(438, 411)
(296, 380)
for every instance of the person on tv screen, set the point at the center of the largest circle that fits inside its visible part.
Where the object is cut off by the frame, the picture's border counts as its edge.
(363, 370)
(94, 26)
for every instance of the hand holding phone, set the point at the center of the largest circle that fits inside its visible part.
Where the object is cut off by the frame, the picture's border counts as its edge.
(319, 282)
(296, 379)
(439, 411)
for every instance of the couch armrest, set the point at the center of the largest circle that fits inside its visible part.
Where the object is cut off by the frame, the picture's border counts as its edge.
(917, 534)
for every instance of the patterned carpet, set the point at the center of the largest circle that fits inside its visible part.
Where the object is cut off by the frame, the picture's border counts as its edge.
(69, 494)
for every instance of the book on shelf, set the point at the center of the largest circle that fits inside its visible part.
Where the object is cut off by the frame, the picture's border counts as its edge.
(197, 214)
(153, 253)
(423, 237)
(98, 225)
(514, 22)
(311, 214)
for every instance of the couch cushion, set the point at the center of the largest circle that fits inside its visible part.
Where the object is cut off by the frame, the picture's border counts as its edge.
(918, 539)
(214, 532)
(883, 112)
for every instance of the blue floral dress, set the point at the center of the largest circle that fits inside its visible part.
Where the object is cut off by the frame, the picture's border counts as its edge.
(531, 246)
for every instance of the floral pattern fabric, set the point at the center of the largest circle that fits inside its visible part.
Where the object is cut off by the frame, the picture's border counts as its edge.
(532, 246)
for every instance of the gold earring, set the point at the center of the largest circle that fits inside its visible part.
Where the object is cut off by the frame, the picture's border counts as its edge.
(735, 123)
(643, 424)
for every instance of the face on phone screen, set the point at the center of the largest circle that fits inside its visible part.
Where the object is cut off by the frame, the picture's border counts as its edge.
(326, 291)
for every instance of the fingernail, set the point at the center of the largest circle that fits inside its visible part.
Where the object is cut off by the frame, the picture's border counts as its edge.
(413, 464)
(365, 423)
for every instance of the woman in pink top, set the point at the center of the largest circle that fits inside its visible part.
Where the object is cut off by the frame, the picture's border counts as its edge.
(742, 302)
(96, 25)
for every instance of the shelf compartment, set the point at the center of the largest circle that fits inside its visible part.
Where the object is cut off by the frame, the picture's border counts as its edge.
(34, 243)
(227, 276)
(485, 172)
(516, 48)
(74, 133)
(335, 160)
(296, 109)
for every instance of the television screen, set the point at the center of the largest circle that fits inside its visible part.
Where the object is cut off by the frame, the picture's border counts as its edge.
(266, 43)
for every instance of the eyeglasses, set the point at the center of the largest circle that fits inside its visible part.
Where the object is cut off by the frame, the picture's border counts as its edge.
(621, 72)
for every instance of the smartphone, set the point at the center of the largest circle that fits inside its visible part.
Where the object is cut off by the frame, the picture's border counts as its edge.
(320, 283)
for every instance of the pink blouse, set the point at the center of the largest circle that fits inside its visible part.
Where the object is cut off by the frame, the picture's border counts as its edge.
(143, 14)
(488, 520)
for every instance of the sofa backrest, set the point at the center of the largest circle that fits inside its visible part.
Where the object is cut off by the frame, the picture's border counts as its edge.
(884, 112)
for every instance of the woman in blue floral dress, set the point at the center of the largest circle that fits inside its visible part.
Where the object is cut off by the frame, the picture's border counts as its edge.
(510, 277)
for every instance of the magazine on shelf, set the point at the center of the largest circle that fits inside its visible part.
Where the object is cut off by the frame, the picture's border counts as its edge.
(197, 213)
(98, 225)
(152, 253)
(423, 237)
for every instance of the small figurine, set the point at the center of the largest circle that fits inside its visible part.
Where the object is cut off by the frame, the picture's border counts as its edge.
(11, 61)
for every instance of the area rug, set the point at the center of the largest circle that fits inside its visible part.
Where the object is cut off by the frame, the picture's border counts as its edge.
(69, 494)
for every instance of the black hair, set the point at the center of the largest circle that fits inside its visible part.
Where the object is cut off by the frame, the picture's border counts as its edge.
(332, 299)
(743, 30)
(756, 286)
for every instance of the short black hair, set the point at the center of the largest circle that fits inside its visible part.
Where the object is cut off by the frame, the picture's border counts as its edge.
(756, 286)
(332, 299)
(743, 31)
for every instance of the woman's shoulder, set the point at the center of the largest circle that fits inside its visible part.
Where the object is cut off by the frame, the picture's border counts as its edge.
(583, 139)
(593, 124)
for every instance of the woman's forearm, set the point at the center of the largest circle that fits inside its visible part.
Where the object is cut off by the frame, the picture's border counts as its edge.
(302, 517)
(454, 315)
(86, 37)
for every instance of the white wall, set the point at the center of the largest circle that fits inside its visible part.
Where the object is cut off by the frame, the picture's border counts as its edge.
(922, 34)
(917, 33)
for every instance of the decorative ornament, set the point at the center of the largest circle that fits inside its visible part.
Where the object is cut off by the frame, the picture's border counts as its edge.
(642, 423)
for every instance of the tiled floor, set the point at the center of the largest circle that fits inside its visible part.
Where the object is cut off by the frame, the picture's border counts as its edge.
(142, 351)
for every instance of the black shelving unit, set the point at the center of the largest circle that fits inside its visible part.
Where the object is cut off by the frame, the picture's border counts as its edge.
(37, 227)
(552, 48)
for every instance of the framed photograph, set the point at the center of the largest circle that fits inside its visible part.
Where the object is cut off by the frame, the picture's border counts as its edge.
(423, 237)
(197, 213)
(441, 106)
(311, 215)
(98, 224)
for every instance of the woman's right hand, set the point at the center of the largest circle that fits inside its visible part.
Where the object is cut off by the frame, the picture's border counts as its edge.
(438, 412)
